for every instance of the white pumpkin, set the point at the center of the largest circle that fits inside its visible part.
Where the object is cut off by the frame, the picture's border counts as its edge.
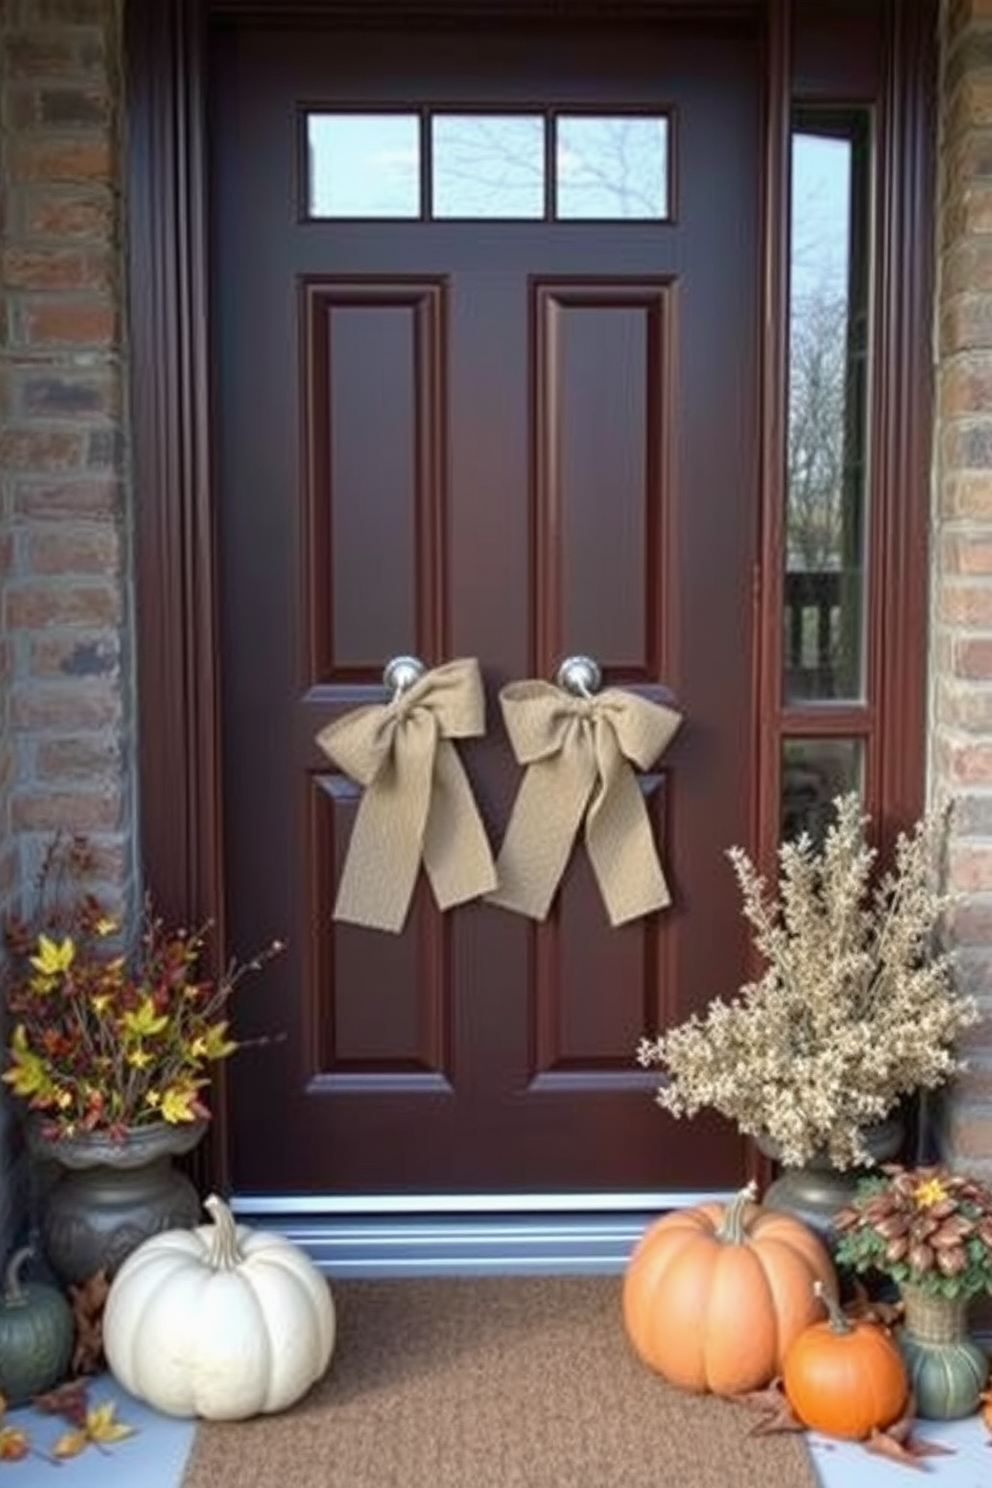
(220, 1321)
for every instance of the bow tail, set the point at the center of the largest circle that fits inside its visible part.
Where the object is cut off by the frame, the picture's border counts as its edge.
(621, 846)
(457, 859)
(546, 816)
(384, 852)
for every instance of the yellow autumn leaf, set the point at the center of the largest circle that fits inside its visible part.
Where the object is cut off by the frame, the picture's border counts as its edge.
(70, 1444)
(14, 1444)
(177, 1104)
(143, 1021)
(101, 1425)
(106, 926)
(53, 957)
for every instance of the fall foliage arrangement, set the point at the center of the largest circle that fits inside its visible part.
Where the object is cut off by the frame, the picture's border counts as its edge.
(856, 1008)
(924, 1227)
(105, 1037)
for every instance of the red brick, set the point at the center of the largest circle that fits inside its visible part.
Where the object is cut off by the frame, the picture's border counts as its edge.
(970, 868)
(964, 763)
(970, 104)
(81, 757)
(967, 444)
(70, 705)
(973, 818)
(965, 385)
(968, 1133)
(973, 658)
(967, 264)
(965, 322)
(94, 549)
(73, 107)
(72, 811)
(967, 552)
(72, 160)
(966, 603)
(92, 654)
(30, 606)
(965, 707)
(64, 213)
(57, 268)
(86, 497)
(969, 922)
(42, 449)
(966, 494)
(70, 12)
(79, 396)
(30, 55)
(77, 322)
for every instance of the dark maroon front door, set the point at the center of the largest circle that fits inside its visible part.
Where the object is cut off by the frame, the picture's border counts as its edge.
(503, 438)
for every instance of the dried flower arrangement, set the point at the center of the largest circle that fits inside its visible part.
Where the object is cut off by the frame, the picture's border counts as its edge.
(923, 1227)
(105, 1041)
(856, 1008)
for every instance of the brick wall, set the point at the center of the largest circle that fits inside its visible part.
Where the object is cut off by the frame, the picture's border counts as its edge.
(961, 652)
(65, 694)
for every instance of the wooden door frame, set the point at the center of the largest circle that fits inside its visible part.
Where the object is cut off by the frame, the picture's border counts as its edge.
(178, 662)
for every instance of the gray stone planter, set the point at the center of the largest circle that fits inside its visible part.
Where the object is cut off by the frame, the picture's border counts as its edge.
(110, 1195)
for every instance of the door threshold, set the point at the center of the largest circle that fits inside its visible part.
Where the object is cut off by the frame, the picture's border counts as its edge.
(459, 1235)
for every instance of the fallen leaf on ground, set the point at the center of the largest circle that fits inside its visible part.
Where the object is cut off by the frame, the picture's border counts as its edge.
(101, 1425)
(776, 1414)
(70, 1444)
(70, 1401)
(14, 1444)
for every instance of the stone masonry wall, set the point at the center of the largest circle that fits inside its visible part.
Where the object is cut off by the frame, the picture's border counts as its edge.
(65, 691)
(961, 646)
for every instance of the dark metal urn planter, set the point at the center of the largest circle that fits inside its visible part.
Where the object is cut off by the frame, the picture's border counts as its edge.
(817, 1191)
(110, 1195)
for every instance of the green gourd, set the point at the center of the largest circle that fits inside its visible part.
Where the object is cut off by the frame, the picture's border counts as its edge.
(36, 1335)
(947, 1378)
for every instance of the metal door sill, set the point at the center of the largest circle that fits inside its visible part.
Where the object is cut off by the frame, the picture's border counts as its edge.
(475, 1235)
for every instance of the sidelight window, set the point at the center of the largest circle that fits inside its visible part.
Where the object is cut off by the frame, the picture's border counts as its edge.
(827, 485)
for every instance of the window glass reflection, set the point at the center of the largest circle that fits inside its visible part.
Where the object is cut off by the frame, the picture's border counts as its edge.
(488, 165)
(828, 342)
(364, 165)
(611, 167)
(814, 771)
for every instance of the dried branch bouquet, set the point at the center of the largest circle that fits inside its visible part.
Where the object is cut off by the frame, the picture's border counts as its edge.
(857, 1006)
(105, 1041)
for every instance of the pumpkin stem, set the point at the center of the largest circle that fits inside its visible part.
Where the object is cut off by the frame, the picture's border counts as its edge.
(224, 1251)
(13, 1293)
(838, 1322)
(731, 1228)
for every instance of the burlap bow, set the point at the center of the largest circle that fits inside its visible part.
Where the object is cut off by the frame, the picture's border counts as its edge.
(576, 751)
(417, 802)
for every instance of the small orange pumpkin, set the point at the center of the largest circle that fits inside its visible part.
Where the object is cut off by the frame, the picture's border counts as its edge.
(714, 1295)
(845, 1378)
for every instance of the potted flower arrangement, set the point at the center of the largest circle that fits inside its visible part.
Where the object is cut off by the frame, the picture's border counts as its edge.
(111, 1048)
(930, 1231)
(856, 1008)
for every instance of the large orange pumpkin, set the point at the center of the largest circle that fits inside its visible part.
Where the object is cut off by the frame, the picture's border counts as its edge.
(845, 1378)
(714, 1295)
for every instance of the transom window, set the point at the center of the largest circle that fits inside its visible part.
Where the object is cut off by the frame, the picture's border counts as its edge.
(435, 164)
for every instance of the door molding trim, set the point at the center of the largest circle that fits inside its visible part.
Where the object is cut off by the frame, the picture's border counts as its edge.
(178, 713)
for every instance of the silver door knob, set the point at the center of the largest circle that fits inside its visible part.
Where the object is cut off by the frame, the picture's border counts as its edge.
(579, 675)
(401, 672)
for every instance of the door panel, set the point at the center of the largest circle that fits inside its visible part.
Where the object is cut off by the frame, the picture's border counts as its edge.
(508, 440)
